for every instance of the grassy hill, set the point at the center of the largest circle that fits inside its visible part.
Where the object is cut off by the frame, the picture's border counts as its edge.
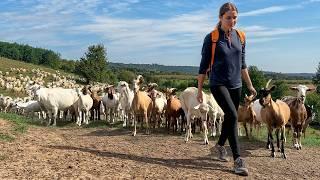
(6, 64)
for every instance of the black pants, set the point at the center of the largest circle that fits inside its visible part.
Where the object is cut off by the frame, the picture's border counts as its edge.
(228, 100)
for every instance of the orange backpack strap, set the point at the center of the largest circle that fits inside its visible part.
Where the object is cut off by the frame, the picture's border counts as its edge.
(242, 36)
(214, 40)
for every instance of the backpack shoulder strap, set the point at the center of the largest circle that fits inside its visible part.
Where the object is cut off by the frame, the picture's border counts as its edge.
(215, 35)
(242, 36)
(214, 40)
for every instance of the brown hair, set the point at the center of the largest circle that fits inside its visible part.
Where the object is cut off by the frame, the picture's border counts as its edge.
(225, 8)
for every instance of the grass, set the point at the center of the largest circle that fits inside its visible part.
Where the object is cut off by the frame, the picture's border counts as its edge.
(3, 157)
(20, 125)
(6, 137)
(312, 137)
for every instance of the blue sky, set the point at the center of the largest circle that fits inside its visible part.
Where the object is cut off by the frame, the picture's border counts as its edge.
(282, 35)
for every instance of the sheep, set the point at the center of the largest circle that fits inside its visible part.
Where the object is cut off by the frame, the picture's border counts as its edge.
(141, 105)
(31, 107)
(247, 115)
(5, 102)
(276, 115)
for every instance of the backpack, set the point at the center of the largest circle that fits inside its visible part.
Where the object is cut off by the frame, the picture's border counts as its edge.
(215, 38)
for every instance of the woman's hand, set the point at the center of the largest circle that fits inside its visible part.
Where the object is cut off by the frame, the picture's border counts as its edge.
(252, 91)
(199, 97)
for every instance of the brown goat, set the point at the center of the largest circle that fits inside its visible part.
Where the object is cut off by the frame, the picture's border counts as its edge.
(141, 105)
(276, 115)
(247, 115)
(174, 111)
(298, 116)
(95, 110)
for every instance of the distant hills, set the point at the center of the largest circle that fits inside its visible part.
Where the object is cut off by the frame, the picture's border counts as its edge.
(157, 68)
(194, 70)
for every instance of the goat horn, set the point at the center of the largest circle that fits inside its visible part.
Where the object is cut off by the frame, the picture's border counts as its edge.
(267, 85)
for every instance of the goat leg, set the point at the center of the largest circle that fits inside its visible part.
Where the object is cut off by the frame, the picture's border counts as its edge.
(282, 143)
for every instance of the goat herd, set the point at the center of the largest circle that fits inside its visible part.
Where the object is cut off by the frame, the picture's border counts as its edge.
(153, 107)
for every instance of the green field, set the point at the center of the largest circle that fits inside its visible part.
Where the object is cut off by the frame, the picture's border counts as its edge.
(21, 125)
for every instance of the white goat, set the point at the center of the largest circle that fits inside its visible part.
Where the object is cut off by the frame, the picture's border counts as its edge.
(84, 104)
(215, 114)
(193, 109)
(111, 103)
(125, 99)
(54, 99)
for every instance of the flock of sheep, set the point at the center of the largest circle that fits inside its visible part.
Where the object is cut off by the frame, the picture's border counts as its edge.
(62, 97)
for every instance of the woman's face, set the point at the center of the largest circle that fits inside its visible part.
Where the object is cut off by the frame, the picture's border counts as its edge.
(229, 20)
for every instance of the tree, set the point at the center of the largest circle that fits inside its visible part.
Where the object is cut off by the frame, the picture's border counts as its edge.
(281, 90)
(316, 78)
(313, 99)
(93, 65)
(125, 75)
(51, 59)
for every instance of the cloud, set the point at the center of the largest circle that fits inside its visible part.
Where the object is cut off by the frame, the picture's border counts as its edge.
(179, 31)
(259, 31)
(269, 10)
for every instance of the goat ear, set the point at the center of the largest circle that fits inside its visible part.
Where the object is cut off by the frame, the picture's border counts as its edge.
(294, 88)
(261, 91)
(174, 90)
(272, 88)
(310, 89)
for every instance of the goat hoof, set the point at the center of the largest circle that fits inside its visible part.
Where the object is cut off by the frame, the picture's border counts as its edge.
(273, 154)
(284, 156)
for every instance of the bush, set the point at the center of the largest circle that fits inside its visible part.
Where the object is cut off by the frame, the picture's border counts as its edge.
(314, 99)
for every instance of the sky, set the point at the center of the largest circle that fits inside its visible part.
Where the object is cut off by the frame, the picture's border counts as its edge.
(282, 35)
